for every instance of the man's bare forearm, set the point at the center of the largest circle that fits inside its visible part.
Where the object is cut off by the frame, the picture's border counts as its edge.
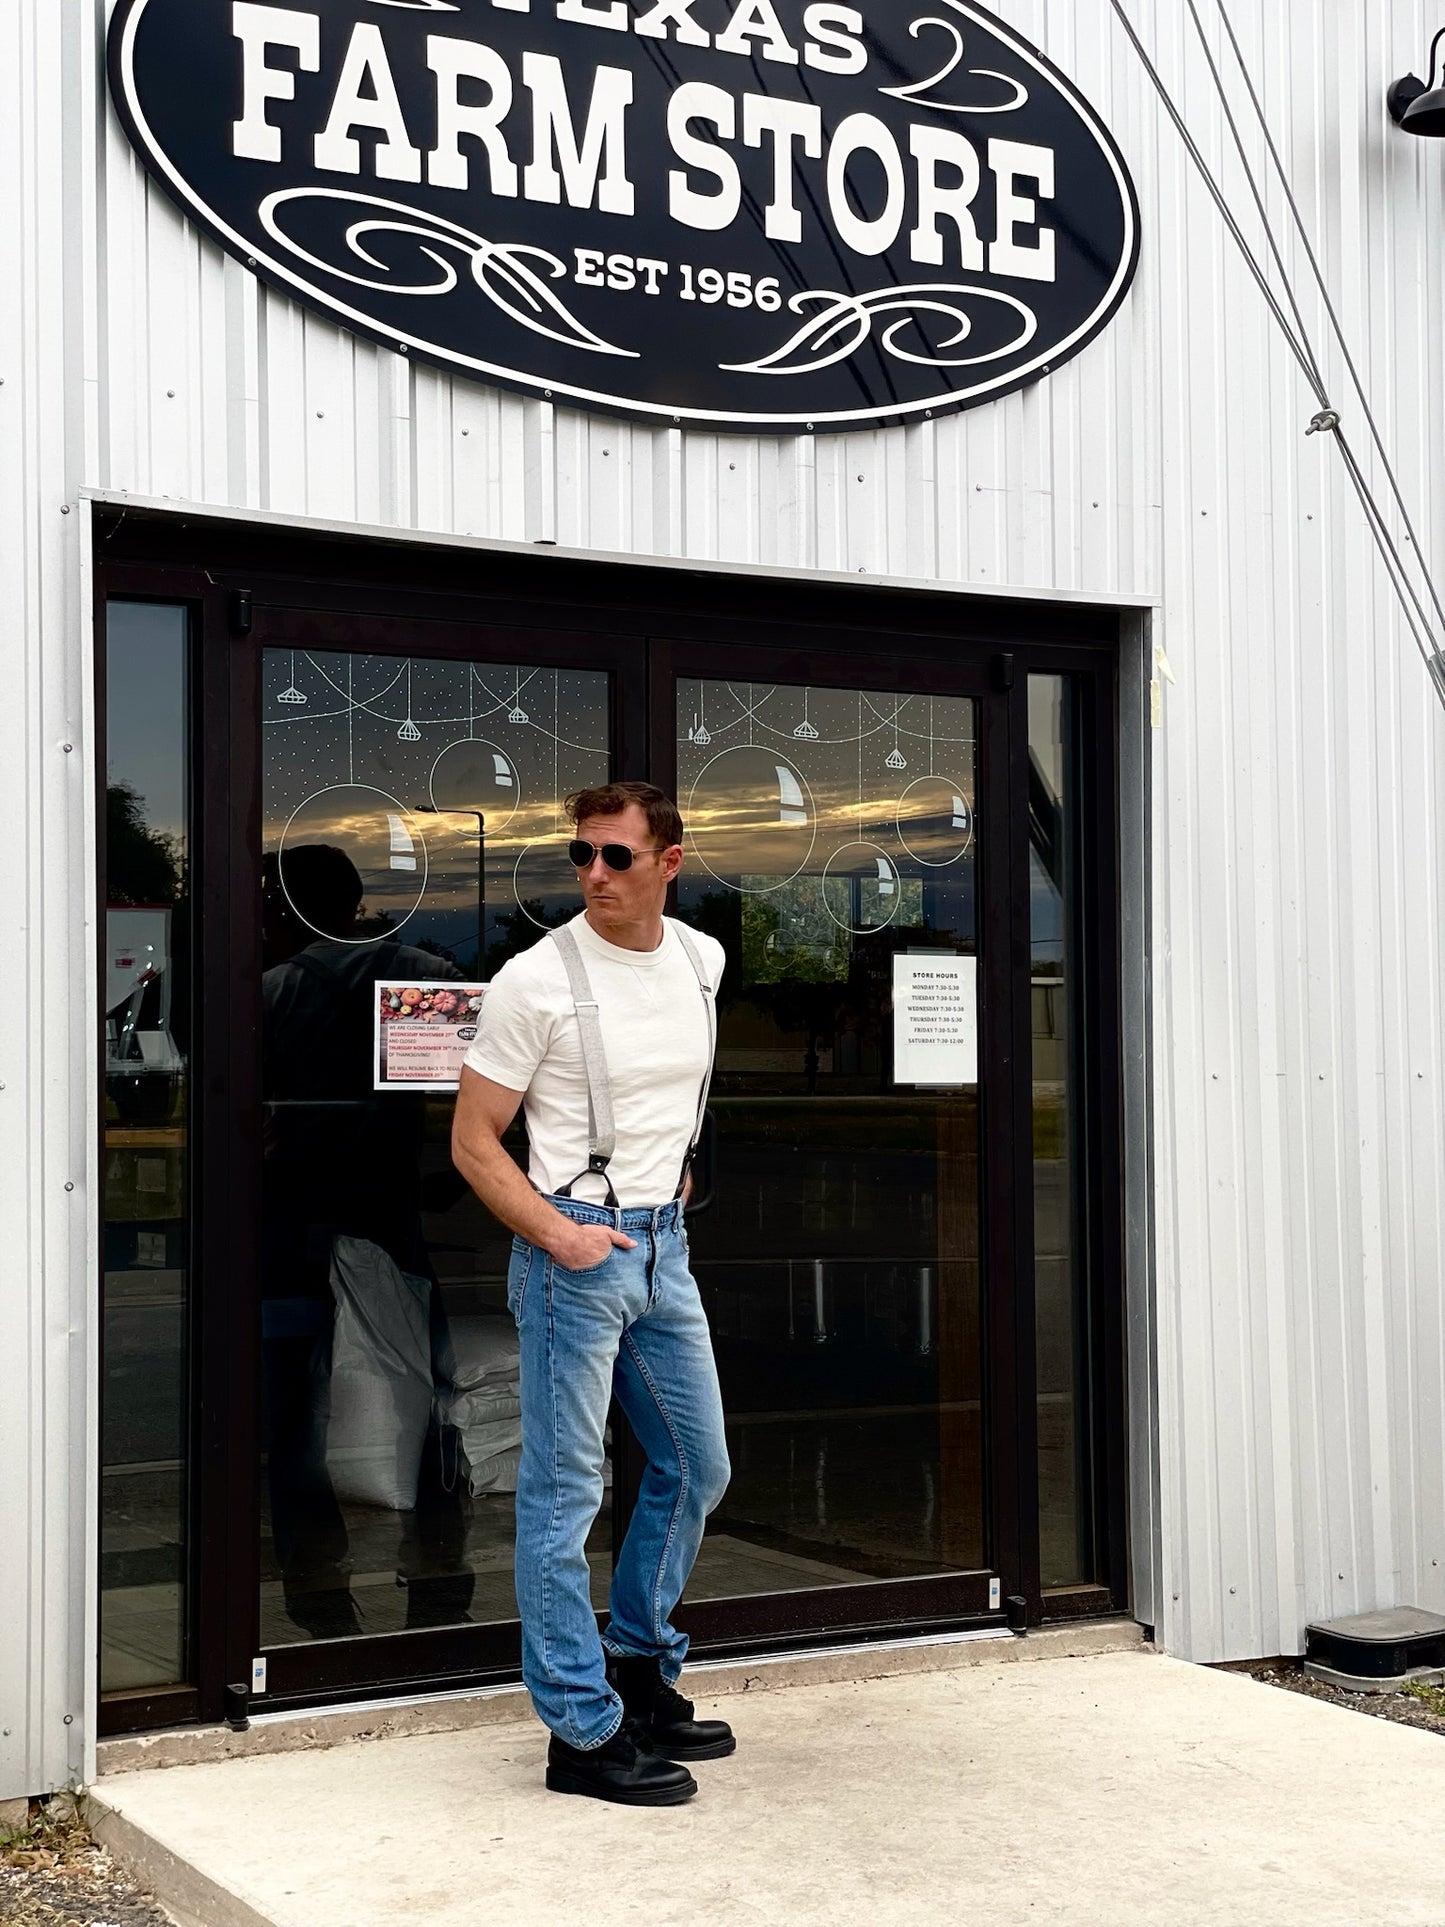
(503, 1188)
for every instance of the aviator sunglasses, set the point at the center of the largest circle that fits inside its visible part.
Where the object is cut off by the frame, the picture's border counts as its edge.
(617, 856)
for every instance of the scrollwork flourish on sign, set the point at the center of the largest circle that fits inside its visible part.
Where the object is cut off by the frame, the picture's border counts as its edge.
(847, 322)
(918, 90)
(499, 268)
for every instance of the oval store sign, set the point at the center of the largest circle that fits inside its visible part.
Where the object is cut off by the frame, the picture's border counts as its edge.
(744, 214)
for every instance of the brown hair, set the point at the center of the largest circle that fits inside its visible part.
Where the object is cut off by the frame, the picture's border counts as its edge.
(664, 819)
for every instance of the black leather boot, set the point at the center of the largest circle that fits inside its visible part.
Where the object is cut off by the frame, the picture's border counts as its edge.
(665, 1716)
(624, 1771)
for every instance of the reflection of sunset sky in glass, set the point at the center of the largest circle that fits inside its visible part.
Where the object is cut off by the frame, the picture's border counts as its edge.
(890, 769)
(461, 744)
(145, 698)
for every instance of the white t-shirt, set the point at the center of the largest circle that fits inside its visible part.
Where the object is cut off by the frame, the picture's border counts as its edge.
(654, 1028)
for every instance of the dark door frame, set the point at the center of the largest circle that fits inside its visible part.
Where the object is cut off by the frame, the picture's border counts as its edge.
(250, 587)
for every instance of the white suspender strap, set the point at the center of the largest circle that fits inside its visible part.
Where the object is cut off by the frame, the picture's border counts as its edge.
(601, 1124)
(694, 957)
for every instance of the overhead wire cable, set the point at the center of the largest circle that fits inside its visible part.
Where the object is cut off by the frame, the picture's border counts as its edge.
(1335, 323)
(1216, 194)
(1320, 385)
(1416, 616)
(1395, 563)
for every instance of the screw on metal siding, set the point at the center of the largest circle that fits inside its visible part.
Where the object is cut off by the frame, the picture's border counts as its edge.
(170, 394)
(70, 1719)
(68, 1185)
(67, 747)
(65, 508)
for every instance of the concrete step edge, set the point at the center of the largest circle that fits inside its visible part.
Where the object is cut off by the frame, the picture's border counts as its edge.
(190, 1897)
(272, 1733)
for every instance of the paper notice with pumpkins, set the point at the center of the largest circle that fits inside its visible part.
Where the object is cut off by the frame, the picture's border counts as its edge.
(422, 1033)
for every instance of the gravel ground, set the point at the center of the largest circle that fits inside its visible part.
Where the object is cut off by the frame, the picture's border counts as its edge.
(54, 1875)
(1422, 1706)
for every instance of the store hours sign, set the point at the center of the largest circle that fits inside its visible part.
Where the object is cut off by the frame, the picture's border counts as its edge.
(747, 214)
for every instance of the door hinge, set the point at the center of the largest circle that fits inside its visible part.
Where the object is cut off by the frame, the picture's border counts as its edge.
(1003, 672)
(241, 612)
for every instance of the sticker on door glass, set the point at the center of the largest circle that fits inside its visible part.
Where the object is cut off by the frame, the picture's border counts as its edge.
(422, 1033)
(935, 1020)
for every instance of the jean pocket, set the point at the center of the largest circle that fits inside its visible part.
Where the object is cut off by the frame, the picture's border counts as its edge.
(518, 1272)
(588, 1271)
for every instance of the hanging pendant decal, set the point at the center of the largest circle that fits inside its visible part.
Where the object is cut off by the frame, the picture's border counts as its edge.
(772, 215)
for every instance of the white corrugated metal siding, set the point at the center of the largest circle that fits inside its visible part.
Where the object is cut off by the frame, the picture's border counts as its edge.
(1297, 780)
(47, 870)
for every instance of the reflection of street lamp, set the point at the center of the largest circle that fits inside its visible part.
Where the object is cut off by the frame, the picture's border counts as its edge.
(430, 809)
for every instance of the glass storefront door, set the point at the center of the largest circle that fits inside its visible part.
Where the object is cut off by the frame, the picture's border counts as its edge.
(413, 840)
(833, 850)
(900, 1233)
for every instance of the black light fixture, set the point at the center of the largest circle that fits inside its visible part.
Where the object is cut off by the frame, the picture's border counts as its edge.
(1418, 107)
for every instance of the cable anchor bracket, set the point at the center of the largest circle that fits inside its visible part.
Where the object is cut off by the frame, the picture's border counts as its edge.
(1327, 422)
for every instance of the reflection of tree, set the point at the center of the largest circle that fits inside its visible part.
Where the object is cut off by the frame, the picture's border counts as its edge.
(716, 914)
(517, 931)
(142, 865)
(371, 925)
(787, 936)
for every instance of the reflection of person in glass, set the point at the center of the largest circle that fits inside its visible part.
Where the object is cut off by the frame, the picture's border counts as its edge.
(342, 1176)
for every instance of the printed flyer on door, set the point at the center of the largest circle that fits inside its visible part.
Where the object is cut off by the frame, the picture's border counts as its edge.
(422, 1033)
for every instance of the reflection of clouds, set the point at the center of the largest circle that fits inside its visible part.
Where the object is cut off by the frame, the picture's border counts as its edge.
(746, 829)
(466, 758)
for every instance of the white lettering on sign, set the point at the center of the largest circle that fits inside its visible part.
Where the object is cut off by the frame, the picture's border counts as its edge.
(789, 123)
(448, 166)
(757, 20)
(932, 148)
(835, 45)
(696, 100)
(866, 134)
(1014, 161)
(593, 169)
(367, 67)
(258, 29)
(935, 1020)
(677, 14)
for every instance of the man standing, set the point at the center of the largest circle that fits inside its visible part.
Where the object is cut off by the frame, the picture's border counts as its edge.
(606, 1030)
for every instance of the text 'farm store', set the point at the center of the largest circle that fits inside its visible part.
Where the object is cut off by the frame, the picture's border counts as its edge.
(861, 421)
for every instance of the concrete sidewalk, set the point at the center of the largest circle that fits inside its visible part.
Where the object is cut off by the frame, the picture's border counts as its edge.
(1121, 1789)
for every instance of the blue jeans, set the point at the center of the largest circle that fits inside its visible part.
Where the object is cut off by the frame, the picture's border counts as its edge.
(632, 1327)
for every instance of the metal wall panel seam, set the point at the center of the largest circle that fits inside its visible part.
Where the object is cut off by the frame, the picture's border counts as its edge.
(21, 1386)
